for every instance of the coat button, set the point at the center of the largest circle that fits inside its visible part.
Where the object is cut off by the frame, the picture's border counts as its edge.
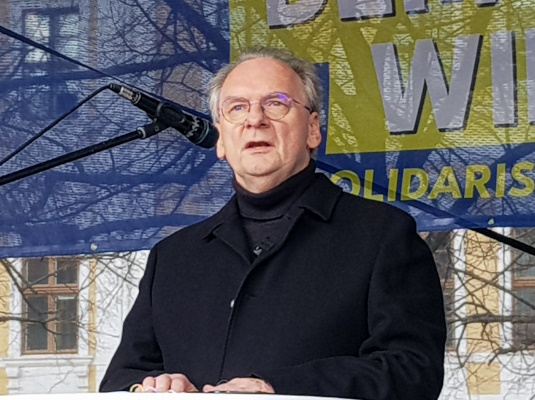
(257, 250)
(232, 304)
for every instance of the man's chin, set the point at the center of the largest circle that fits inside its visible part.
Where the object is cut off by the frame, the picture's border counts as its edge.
(262, 171)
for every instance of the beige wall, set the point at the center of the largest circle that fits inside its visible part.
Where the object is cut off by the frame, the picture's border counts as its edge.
(482, 269)
(4, 326)
(483, 298)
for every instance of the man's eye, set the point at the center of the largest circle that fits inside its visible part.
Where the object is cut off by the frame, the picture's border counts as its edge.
(274, 104)
(237, 107)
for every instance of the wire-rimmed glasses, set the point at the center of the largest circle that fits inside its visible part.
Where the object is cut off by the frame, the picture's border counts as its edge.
(275, 106)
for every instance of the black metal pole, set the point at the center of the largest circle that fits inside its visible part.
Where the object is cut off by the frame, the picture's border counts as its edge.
(143, 132)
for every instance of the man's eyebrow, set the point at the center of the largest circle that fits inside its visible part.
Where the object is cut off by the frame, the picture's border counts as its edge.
(275, 93)
(234, 98)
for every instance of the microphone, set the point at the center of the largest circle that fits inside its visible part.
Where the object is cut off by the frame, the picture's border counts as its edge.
(196, 130)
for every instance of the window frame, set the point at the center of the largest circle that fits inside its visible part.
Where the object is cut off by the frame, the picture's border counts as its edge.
(521, 282)
(53, 90)
(52, 291)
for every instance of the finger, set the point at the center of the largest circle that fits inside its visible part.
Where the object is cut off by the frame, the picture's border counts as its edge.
(244, 384)
(177, 385)
(265, 387)
(163, 383)
(234, 385)
(191, 388)
(180, 383)
(148, 382)
(254, 385)
(208, 388)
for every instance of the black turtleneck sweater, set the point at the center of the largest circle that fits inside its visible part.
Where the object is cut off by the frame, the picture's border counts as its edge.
(262, 213)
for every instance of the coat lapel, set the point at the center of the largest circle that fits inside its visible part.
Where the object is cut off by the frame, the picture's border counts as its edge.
(230, 231)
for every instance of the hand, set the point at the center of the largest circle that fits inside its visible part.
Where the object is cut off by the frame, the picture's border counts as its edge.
(250, 385)
(162, 383)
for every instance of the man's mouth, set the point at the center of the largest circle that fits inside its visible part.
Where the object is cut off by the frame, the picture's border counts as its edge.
(252, 145)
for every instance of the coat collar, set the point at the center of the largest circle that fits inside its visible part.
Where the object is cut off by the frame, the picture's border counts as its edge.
(320, 198)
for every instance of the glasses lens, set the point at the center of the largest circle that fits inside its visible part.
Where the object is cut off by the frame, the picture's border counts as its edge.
(235, 110)
(276, 105)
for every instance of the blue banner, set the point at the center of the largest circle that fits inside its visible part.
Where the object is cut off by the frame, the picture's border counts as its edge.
(430, 108)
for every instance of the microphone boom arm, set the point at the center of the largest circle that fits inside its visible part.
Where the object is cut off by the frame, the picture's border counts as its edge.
(142, 132)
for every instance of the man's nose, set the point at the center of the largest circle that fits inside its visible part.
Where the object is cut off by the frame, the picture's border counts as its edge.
(256, 116)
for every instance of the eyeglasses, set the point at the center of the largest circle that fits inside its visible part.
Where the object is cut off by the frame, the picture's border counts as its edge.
(275, 106)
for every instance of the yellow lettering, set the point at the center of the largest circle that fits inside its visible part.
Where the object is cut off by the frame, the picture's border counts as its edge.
(423, 183)
(517, 175)
(446, 183)
(368, 186)
(500, 180)
(473, 181)
(392, 184)
(351, 176)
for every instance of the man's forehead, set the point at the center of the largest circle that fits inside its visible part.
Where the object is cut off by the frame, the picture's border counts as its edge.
(260, 76)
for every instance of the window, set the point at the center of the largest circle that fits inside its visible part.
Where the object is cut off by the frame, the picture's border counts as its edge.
(523, 267)
(440, 245)
(59, 30)
(50, 308)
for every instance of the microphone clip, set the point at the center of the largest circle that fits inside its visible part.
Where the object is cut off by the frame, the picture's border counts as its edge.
(151, 129)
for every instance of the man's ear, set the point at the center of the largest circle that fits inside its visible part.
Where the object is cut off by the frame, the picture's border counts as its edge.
(314, 132)
(220, 147)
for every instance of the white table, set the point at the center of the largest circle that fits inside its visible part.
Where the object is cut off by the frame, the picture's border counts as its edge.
(156, 396)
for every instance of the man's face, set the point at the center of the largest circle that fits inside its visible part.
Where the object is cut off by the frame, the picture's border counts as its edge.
(262, 152)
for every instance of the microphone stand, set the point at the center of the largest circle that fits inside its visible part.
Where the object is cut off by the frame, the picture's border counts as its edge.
(142, 132)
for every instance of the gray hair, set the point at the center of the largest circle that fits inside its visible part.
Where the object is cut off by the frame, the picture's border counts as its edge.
(304, 69)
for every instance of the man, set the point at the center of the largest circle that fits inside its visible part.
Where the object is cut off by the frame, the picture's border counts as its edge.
(293, 287)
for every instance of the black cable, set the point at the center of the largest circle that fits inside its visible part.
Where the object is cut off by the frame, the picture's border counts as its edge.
(50, 126)
(507, 240)
(24, 39)
(437, 212)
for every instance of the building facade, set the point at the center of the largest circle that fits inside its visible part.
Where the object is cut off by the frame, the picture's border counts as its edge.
(62, 317)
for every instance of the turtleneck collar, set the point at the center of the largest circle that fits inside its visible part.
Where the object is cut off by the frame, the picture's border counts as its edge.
(275, 202)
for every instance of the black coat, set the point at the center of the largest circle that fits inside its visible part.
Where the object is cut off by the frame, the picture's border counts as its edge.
(348, 305)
